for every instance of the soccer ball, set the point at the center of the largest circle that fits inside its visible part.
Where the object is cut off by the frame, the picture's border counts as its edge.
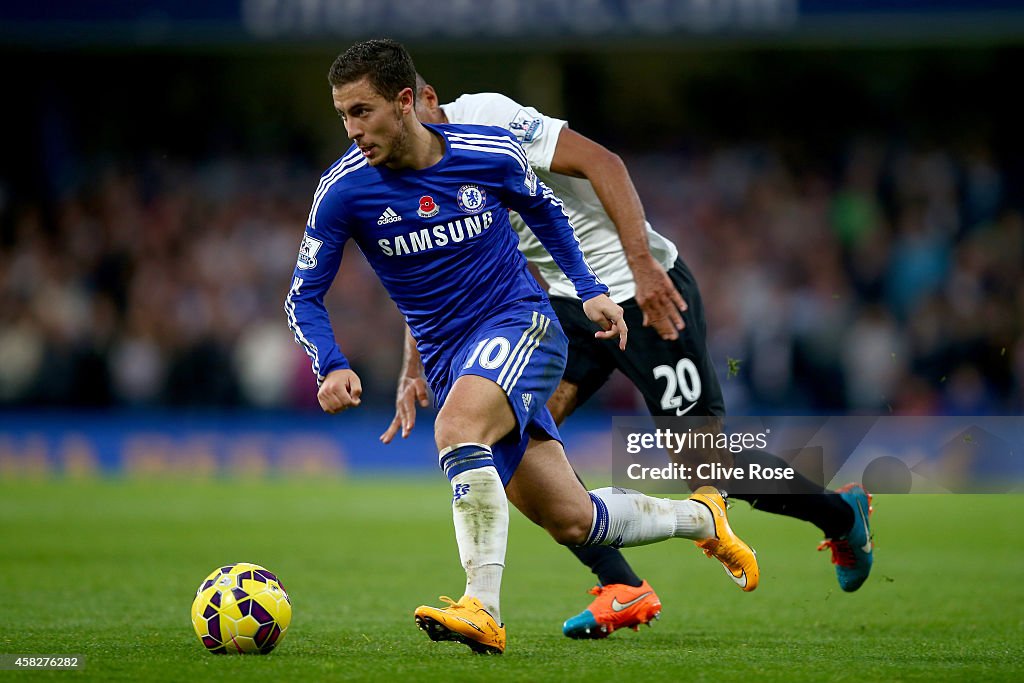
(241, 608)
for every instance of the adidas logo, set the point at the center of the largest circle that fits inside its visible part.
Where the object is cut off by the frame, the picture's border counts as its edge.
(389, 216)
(527, 400)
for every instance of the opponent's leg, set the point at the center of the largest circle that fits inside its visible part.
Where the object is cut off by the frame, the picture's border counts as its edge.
(842, 515)
(563, 401)
(798, 497)
(685, 364)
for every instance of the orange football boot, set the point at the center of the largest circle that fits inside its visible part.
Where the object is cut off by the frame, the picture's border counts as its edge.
(616, 606)
(466, 622)
(738, 558)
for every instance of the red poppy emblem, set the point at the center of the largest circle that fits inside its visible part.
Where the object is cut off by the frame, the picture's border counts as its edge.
(427, 207)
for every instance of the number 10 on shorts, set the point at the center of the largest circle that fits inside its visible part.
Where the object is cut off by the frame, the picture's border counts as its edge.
(490, 353)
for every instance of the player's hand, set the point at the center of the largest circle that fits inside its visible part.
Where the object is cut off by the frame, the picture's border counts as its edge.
(341, 390)
(658, 298)
(608, 315)
(411, 390)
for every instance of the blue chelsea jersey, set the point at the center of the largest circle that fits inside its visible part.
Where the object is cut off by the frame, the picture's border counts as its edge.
(438, 238)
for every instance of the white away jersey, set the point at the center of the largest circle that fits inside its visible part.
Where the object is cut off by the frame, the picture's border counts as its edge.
(594, 228)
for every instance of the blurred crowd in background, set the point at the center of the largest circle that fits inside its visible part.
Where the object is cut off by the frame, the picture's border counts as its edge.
(891, 283)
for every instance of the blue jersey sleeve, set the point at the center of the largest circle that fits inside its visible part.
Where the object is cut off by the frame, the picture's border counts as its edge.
(544, 213)
(317, 265)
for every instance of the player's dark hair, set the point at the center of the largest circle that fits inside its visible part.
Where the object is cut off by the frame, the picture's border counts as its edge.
(384, 61)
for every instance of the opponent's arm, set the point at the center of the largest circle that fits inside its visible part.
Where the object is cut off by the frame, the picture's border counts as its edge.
(580, 157)
(544, 213)
(412, 389)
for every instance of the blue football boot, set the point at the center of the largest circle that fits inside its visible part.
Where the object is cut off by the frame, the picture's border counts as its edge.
(852, 553)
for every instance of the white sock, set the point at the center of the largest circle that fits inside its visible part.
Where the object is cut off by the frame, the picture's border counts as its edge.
(626, 518)
(693, 520)
(480, 515)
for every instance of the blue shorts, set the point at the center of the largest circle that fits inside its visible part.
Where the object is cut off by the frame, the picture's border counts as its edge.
(522, 349)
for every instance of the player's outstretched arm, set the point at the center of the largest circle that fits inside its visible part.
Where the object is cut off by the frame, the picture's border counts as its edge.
(340, 390)
(579, 156)
(412, 389)
(608, 315)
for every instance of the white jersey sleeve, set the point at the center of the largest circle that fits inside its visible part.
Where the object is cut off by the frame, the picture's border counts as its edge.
(594, 229)
(538, 134)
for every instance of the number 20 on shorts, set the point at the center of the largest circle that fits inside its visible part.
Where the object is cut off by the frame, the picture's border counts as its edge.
(685, 380)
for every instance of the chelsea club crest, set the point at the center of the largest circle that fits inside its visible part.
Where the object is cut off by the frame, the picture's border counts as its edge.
(471, 198)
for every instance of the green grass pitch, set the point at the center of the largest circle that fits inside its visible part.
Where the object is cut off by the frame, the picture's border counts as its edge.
(108, 569)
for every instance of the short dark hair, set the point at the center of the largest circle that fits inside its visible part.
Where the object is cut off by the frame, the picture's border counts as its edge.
(383, 61)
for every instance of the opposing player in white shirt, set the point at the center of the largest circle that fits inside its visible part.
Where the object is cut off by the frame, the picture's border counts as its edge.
(667, 358)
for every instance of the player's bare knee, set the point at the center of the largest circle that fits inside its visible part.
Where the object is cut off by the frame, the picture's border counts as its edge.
(445, 434)
(466, 422)
(570, 534)
(570, 527)
(451, 429)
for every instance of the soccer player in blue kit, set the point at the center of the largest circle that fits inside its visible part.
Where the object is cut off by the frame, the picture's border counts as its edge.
(428, 207)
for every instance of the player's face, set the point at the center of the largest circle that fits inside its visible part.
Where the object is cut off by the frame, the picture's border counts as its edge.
(374, 123)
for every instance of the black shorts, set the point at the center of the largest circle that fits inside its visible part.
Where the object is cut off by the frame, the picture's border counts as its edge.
(675, 377)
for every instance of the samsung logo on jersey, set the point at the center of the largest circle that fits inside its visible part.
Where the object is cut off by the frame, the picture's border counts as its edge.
(437, 236)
